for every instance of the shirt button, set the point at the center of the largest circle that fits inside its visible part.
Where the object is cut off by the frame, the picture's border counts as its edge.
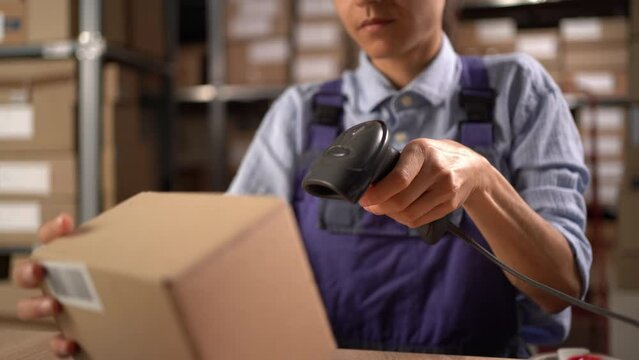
(406, 101)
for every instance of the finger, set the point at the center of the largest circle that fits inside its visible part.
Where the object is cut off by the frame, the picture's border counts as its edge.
(437, 213)
(38, 307)
(422, 206)
(61, 225)
(62, 347)
(407, 168)
(29, 274)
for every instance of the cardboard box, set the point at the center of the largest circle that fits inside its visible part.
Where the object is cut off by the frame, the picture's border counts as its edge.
(256, 19)
(318, 66)
(50, 175)
(191, 66)
(486, 33)
(20, 219)
(147, 27)
(13, 22)
(598, 56)
(633, 71)
(323, 35)
(189, 276)
(575, 31)
(315, 9)
(121, 84)
(260, 62)
(628, 225)
(627, 264)
(597, 82)
(543, 45)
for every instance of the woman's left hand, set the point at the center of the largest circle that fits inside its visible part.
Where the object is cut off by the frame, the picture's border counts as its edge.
(431, 179)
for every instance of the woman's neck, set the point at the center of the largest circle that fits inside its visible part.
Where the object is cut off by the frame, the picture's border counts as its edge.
(401, 70)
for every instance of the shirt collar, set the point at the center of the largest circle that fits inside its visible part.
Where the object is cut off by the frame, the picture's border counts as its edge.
(433, 83)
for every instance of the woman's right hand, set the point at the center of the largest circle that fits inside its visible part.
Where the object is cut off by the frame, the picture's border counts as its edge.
(30, 274)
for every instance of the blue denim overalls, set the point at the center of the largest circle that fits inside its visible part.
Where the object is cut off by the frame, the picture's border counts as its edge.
(383, 287)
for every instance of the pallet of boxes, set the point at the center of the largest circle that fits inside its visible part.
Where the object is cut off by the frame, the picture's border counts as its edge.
(38, 127)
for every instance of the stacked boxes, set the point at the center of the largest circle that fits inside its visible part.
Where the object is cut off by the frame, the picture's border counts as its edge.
(543, 45)
(323, 48)
(137, 24)
(37, 142)
(486, 36)
(257, 41)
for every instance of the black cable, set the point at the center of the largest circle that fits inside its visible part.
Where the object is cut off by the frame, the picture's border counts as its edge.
(563, 296)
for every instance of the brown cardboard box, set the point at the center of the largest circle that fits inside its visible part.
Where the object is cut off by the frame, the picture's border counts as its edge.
(497, 33)
(148, 30)
(120, 84)
(633, 71)
(543, 45)
(315, 9)
(189, 276)
(318, 66)
(260, 62)
(575, 31)
(256, 19)
(605, 82)
(49, 175)
(14, 22)
(596, 56)
(190, 65)
(627, 270)
(21, 218)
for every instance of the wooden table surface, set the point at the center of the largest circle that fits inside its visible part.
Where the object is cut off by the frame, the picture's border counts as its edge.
(19, 344)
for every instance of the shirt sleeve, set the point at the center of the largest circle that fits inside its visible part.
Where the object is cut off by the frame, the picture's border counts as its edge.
(547, 161)
(268, 166)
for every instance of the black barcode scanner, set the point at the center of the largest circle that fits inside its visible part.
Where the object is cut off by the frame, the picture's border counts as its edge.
(359, 157)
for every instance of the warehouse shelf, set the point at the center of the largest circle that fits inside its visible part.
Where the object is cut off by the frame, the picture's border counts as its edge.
(53, 50)
(208, 93)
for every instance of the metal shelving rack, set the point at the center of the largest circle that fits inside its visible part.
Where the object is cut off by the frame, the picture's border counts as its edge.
(91, 51)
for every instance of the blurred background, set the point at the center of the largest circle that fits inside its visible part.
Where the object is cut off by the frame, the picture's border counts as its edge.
(100, 100)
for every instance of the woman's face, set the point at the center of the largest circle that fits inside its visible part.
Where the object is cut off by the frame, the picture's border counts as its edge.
(391, 28)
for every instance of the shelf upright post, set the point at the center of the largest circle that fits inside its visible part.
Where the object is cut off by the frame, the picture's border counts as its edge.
(169, 113)
(216, 48)
(89, 53)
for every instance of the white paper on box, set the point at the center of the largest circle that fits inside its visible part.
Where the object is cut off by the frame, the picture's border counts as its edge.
(492, 31)
(16, 122)
(539, 46)
(316, 8)
(266, 52)
(249, 27)
(316, 68)
(606, 118)
(1, 26)
(20, 217)
(612, 171)
(607, 145)
(258, 8)
(323, 35)
(71, 284)
(25, 177)
(596, 82)
(581, 29)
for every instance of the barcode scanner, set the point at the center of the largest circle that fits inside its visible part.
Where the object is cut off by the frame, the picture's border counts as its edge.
(362, 156)
(359, 157)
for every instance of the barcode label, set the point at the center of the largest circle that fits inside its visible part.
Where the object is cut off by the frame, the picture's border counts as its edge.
(71, 284)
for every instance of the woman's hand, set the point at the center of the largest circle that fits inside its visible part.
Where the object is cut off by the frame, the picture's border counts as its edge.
(31, 274)
(431, 179)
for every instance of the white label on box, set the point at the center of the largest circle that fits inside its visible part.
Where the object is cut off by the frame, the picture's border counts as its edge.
(496, 30)
(316, 68)
(259, 8)
(539, 46)
(596, 82)
(249, 27)
(581, 29)
(606, 118)
(16, 122)
(608, 145)
(71, 284)
(316, 8)
(274, 51)
(1, 26)
(318, 35)
(25, 177)
(20, 217)
(610, 170)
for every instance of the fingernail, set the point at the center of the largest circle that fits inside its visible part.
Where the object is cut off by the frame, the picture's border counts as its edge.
(46, 306)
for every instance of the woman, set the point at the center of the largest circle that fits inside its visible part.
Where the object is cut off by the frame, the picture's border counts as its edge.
(515, 168)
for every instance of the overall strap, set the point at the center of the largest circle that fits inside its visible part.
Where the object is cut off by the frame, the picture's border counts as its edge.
(328, 111)
(477, 99)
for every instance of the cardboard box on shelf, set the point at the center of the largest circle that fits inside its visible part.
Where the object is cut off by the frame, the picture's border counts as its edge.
(21, 218)
(319, 36)
(13, 25)
(237, 284)
(628, 225)
(543, 45)
(318, 66)
(259, 62)
(120, 84)
(147, 27)
(498, 32)
(49, 175)
(191, 66)
(255, 19)
(589, 30)
(605, 56)
(597, 82)
(316, 9)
